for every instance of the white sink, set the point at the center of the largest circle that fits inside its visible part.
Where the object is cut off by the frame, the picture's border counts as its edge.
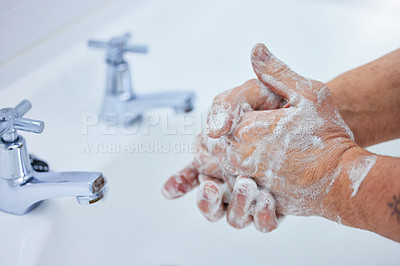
(137, 226)
(203, 46)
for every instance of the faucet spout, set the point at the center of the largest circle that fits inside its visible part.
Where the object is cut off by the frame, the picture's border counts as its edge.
(88, 187)
(131, 110)
(181, 101)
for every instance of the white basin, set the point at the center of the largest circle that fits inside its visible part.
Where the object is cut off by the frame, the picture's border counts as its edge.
(203, 46)
(137, 226)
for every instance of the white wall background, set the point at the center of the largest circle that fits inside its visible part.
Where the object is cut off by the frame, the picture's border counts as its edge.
(34, 31)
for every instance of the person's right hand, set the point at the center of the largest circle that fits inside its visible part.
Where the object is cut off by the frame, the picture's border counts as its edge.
(295, 152)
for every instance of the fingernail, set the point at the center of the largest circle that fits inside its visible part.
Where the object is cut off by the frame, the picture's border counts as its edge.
(209, 201)
(261, 52)
(170, 192)
(175, 187)
(246, 186)
(211, 195)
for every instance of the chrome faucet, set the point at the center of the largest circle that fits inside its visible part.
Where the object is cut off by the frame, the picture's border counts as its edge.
(21, 187)
(120, 99)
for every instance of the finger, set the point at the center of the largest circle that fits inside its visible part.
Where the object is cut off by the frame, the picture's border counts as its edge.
(256, 123)
(264, 213)
(210, 160)
(277, 75)
(239, 208)
(223, 185)
(228, 106)
(204, 161)
(210, 199)
(181, 183)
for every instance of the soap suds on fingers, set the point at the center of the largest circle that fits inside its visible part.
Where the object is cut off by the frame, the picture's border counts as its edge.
(219, 117)
(244, 194)
(263, 211)
(225, 115)
(359, 171)
(209, 199)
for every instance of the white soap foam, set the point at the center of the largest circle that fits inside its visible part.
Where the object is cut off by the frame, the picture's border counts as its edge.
(359, 171)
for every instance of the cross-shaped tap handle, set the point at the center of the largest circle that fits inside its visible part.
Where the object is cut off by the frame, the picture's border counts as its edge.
(11, 120)
(117, 46)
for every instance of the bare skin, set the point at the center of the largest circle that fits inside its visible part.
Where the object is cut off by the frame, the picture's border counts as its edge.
(376, 207)
(368, 99)
(250, 195)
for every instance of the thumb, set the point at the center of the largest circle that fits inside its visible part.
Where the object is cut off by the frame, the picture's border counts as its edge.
(277, 75)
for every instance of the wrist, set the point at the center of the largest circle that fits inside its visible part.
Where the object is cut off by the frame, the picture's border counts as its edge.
(351, 171)
(344, 94)
(369, 102)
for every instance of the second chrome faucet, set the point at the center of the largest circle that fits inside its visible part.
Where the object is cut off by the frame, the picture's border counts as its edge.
(120, 99)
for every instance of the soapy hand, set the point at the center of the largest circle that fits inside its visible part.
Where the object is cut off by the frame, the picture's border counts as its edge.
(293, 152)
(220, 192)
(217, 187)
(267, 154)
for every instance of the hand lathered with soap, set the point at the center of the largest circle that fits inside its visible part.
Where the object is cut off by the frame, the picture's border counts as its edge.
(283, 144)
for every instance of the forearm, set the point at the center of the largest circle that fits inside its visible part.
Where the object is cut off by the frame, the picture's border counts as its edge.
(368, 99)
(375, 205)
